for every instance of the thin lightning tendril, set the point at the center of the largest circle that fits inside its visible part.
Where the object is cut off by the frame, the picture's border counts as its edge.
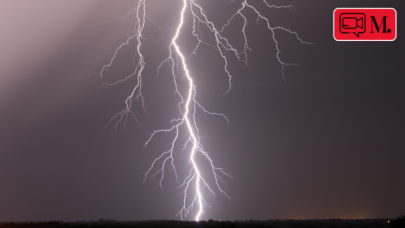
(188, 105)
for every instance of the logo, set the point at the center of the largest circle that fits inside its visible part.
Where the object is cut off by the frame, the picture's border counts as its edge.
(365, 24)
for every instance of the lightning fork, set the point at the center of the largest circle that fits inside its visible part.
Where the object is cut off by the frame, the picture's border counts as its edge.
(188, 105)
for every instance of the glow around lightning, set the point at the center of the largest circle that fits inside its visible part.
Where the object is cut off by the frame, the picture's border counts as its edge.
(193, 201)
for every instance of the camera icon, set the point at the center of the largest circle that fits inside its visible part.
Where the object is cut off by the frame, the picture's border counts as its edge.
(352, 23)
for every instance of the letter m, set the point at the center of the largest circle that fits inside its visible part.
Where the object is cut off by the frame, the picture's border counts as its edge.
(382, 23)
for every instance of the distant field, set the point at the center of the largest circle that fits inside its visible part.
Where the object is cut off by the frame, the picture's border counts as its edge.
(331, 223)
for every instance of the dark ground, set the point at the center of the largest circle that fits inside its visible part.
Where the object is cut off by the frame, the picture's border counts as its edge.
(331, 223)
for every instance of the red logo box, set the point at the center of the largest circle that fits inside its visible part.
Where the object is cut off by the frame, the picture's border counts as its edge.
(365, 24)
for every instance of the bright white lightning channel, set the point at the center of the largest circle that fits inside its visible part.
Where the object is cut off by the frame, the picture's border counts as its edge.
(189, 104)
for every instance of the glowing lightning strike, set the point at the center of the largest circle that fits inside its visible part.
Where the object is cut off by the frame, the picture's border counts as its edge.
(195, 176)
(190, 128)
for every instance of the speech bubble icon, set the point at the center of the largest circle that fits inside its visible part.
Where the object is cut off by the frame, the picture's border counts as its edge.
(352, 23)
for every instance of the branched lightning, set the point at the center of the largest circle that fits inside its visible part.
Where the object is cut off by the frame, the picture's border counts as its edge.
(188, 105)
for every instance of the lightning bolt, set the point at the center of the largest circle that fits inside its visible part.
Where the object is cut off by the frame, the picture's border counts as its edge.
(188, 104)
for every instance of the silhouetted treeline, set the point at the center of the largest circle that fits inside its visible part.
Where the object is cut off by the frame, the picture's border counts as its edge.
(398, 223)
(330, 223)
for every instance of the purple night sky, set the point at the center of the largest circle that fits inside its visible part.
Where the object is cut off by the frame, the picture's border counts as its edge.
(328, 143)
